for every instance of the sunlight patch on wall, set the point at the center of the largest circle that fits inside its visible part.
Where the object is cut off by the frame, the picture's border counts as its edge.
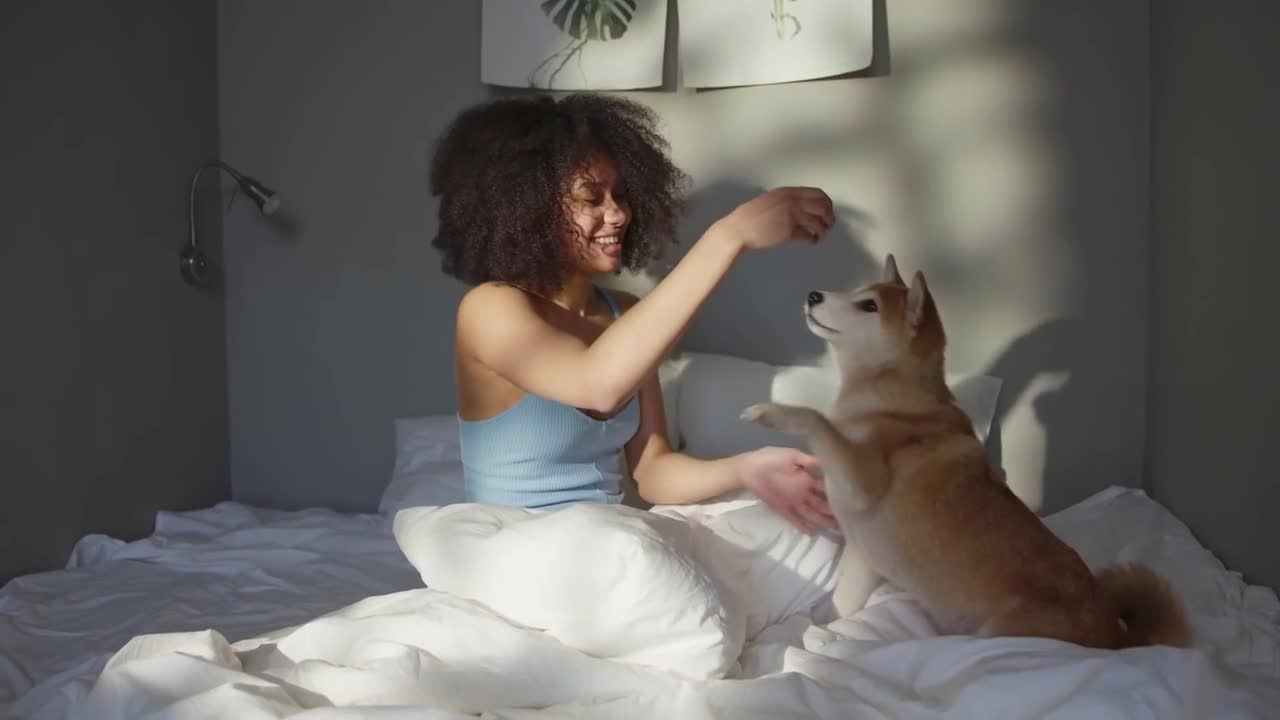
(1025, 441)
(990, 195)
(986, 91)
(924, 26)
(953, 162)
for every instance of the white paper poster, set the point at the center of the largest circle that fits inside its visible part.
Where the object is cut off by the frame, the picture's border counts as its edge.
(754, 42)
(573, 44)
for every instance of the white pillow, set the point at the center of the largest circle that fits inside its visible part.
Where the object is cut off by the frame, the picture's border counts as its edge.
(609, 580)
(670, 377)
(428, 464)
(714, 390)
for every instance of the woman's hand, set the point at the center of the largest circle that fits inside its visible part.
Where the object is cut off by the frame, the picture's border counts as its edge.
(780, 216)
(780, 477)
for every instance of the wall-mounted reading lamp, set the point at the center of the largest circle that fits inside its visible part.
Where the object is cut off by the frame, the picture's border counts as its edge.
(193, 264)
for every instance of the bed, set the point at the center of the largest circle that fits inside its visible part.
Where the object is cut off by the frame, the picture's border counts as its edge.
(236, 611)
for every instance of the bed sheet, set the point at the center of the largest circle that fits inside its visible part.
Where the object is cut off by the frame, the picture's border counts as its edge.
(237, 569)
(423, 653)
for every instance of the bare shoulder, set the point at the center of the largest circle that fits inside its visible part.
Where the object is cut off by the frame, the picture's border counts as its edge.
(492, 311)
(492, 299)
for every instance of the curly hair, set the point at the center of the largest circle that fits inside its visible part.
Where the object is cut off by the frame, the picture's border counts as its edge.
(503, 171)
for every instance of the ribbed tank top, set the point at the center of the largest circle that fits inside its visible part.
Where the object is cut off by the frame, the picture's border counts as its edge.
(539, 453)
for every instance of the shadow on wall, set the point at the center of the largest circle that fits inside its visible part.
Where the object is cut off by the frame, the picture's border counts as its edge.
(1046, 350)
(1084, 373)
(742, 312)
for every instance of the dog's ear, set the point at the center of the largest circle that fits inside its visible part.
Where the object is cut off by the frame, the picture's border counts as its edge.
(917, 301)
(890, 274)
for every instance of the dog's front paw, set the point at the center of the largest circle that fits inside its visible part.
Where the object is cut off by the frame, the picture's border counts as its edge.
(784, 418)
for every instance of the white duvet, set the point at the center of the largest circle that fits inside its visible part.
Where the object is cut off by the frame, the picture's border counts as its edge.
(611, 613)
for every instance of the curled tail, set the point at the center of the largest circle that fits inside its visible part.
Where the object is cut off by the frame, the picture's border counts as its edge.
(1149, 610)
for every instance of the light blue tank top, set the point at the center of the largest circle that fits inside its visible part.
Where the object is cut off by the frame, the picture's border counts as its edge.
(542, 454)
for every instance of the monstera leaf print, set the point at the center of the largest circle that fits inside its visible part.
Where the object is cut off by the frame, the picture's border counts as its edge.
(584, 21)
(591, 20)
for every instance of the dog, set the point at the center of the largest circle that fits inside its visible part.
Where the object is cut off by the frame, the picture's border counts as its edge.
(921, 505)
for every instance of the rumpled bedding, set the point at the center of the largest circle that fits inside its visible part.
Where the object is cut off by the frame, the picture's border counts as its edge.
(711, 612)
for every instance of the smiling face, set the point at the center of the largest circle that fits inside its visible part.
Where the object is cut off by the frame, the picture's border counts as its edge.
(599, 215)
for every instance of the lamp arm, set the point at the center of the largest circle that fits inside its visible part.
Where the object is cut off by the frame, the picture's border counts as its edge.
(192, 262)
(191, 196)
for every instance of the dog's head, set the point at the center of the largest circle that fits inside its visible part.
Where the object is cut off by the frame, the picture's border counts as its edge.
(883, 324)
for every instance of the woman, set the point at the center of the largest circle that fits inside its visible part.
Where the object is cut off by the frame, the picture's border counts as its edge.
(557, 378)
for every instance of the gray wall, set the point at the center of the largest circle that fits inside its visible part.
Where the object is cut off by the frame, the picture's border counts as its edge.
(1215, 346)
(113, 403)
(339, 321)
(1001, 147)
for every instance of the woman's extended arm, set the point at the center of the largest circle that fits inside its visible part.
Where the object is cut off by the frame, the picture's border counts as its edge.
(500, 326)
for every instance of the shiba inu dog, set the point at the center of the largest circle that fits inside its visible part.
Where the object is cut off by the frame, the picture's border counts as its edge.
(921, 505)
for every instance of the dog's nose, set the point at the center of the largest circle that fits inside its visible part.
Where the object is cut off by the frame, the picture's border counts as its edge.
(815, 298)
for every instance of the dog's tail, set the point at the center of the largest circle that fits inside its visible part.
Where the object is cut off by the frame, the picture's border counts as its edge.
(1150, 612)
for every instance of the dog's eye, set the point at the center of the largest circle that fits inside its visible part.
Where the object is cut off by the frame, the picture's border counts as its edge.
(867, 305)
